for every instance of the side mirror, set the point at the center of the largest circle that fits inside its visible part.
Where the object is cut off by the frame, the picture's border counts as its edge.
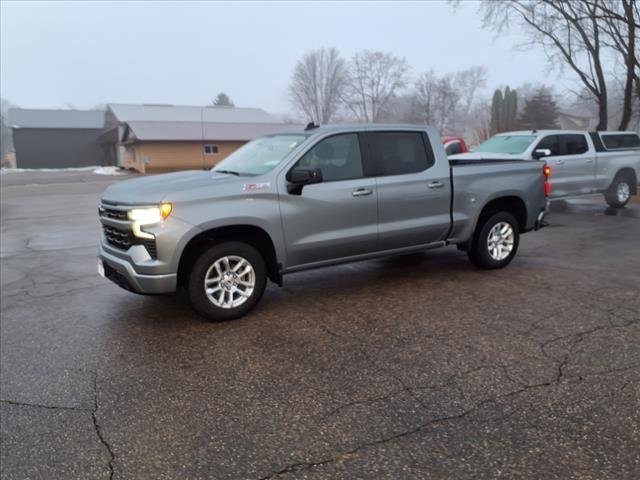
(299, 177)
(539, 153)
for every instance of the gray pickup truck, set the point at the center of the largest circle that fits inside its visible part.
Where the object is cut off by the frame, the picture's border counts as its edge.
(581, 163)
(305, 199)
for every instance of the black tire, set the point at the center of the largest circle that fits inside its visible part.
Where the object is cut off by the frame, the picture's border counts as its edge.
(198, 296)
(480, 254)
(614, 196)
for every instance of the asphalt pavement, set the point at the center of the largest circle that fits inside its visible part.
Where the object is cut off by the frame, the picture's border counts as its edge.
(412, 367)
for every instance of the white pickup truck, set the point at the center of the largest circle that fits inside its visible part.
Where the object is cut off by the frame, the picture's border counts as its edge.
(581, 162)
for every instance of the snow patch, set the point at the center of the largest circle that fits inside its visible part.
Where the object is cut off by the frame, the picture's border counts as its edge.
(108, 171)
(95, 169)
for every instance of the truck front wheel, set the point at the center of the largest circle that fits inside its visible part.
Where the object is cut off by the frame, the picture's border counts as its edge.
(496, 241)
(227, 281)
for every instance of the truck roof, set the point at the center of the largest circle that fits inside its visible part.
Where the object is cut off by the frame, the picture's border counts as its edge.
(560, 132)
(367, 126)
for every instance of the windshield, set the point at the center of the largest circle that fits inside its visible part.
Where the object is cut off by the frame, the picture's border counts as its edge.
(260, 156)
(513, 144)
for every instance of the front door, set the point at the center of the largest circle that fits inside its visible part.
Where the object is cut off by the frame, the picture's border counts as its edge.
(338, 217)
(572, 165)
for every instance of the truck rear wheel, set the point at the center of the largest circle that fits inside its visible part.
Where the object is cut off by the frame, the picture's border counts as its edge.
(619, 192)
(496, 241)
(227, 281)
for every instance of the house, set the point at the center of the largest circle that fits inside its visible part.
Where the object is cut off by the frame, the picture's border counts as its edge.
(568, 121)
(162, 138)
(56, 138)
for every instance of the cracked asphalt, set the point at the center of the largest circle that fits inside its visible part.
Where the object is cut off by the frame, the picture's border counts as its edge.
(413, 367)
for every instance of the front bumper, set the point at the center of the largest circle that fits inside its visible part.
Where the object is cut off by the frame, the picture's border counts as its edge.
(121, 272)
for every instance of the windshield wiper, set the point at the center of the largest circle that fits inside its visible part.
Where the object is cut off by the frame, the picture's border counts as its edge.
(230, 172)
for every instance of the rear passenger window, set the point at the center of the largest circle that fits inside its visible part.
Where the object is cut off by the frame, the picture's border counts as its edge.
(621, 140)
(551, 143)
(398, 153)
(574, 144)
(338, 157)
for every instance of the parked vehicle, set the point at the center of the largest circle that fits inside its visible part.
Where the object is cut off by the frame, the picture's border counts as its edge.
(454, 145)
(581, 163)
(306, 199)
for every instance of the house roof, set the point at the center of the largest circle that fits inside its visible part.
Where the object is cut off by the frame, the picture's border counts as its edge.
(39, 118)
(125, 113)
(190, 131)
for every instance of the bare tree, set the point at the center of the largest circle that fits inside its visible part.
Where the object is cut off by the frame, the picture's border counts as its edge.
(374, 78)
(426, 87)
(569, 32)
(621, 22)
(479, 121)
(438, 98)
(318, 83)
(467, 83)
(6, 139)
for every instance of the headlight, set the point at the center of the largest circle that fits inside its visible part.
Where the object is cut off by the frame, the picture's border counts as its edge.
(148, 216)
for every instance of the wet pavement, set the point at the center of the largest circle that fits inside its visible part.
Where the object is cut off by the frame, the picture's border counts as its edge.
(417, 366)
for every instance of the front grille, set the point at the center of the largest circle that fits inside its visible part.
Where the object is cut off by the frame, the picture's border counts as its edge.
(112, 213)
(118, 238)
(124, 240)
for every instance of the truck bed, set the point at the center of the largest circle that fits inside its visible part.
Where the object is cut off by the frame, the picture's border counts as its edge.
(477, 182)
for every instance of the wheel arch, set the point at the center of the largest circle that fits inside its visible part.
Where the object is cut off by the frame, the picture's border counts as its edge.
(511, 204)
(250, 234)
(630, 173)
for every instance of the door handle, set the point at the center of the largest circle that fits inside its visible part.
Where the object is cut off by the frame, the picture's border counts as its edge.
(436, 184)
(559, 162)
(361, 192)
(589, 160)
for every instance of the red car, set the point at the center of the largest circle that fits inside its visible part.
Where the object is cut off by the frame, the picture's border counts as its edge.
(453, 145)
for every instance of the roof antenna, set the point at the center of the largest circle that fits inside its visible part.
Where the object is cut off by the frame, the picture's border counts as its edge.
(311, 126)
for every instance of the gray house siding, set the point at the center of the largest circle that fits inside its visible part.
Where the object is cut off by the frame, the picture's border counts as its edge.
(57, 147)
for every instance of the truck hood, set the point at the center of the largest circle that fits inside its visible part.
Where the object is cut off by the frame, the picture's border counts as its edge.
(487, 155)
(157, 188)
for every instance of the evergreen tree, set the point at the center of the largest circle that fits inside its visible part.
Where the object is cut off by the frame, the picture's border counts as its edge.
(496, 112)
(504, 108)
(540, 111)
(223, 100)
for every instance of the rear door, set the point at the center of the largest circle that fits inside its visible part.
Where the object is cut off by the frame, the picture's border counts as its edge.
(335, 218)
(572, 164)
(414, 191)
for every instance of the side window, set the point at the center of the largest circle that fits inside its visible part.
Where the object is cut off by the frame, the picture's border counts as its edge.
(398, 153)
(551, 142)
(452, 148)
(573, 144)
(624, 140)
(338, 157)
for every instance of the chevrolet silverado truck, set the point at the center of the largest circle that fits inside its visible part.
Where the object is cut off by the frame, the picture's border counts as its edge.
(581, 163)
(305, 199)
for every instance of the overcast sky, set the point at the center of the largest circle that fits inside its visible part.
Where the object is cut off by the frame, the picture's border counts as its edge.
(85, 54)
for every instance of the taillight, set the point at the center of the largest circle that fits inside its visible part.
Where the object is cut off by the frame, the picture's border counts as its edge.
(546, 170)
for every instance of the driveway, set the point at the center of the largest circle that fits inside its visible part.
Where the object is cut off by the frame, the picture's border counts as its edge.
(416, 366)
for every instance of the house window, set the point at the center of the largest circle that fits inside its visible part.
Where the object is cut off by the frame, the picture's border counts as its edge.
(211, 149)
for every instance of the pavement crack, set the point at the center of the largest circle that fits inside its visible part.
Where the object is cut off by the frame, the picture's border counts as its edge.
(98, 429)
(40, 405)
(301, 466)
(363, 402)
